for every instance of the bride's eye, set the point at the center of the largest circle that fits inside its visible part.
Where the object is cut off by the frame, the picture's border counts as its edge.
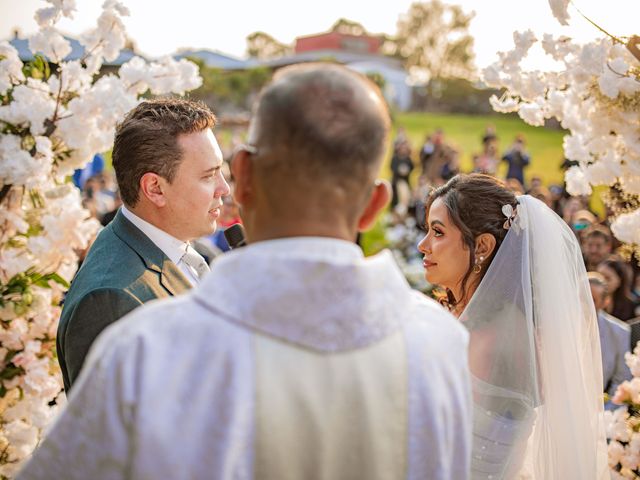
(437, 233)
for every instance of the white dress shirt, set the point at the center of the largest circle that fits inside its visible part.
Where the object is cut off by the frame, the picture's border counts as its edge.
(170, 245)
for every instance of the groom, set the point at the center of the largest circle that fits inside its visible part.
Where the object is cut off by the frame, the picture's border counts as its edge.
(167, 164)
(296, 357)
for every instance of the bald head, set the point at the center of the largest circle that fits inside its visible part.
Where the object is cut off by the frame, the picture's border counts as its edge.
(321, 122)
(319, 133)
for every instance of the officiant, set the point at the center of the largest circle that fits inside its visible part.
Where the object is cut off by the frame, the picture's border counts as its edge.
(296, 357)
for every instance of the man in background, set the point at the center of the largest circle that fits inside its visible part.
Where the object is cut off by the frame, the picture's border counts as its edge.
(167, 165)
(615, 338)
(517, 160)
(597, 245)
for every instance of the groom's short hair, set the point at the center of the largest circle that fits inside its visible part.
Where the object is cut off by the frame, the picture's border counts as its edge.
(147, 141)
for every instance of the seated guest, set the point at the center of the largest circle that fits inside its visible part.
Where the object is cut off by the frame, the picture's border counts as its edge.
(296, 357)
(615, 337)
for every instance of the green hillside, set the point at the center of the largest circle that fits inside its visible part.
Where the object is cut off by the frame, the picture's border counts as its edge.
(464, 132)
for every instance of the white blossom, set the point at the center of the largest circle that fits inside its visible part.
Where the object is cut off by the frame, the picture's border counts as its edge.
(559, 10)
(603, 129)
(626, 227)
(19, 167)
(630, 182)
(575, 148)
(48, 16)
(10, 67)
(491, 76)
(32, 104)
(531, 113)
(631, 457)
(74, 77)
(557, 48)
(108, 38)
(604, 172)
(505, 104)
(616, 451)
(170, 75)
(524, 41)
(50, 43)
(592, 58)
(533, 86)
(11, 336)
(22, 438)
(577, 183)
(135, 75)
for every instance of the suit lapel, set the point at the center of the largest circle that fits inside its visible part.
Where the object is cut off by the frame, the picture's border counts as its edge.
(171, 278)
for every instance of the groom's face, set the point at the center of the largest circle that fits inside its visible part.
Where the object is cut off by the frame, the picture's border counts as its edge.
(194, 197)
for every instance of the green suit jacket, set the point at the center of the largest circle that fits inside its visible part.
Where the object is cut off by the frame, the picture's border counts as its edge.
(122, 270)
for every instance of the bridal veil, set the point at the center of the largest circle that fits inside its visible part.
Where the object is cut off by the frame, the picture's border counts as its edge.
(534, 355)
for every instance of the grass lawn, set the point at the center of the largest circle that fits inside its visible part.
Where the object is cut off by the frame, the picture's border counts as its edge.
(464, 132)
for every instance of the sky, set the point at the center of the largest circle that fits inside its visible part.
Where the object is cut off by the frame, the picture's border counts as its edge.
(163, 26)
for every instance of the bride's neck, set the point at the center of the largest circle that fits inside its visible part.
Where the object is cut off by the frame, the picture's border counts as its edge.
(459, 305)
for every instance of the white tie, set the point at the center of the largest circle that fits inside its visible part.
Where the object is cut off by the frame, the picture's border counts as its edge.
(195, 261)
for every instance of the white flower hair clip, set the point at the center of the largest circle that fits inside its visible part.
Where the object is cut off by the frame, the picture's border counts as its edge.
(512, 218)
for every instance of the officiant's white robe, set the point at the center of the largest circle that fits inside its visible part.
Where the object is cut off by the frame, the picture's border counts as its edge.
(293, 359)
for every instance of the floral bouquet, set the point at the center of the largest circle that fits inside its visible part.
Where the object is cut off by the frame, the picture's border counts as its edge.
(623, 424)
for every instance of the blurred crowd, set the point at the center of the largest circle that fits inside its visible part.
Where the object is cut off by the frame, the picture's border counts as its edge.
(438, 161)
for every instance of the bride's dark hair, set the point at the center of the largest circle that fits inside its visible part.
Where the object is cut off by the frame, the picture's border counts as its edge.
(474, 202)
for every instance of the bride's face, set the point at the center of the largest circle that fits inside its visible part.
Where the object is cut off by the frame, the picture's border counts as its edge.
(446, 256)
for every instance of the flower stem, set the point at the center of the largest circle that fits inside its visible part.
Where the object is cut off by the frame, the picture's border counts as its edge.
(612, 37)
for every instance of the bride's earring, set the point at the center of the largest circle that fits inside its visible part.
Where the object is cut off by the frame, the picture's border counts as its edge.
(477, 267)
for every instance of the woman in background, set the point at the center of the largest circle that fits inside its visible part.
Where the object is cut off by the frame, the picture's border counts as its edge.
(619, 277)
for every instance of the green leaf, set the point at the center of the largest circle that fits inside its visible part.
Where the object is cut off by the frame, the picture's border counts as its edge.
(47, 70)
(34, 230)
(58, 279)
(37, 68)
(11, 371)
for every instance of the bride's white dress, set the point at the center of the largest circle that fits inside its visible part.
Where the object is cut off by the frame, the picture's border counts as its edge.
(499, 438)
(534, 353)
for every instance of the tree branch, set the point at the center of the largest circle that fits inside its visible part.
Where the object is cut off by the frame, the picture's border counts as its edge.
(4, 192)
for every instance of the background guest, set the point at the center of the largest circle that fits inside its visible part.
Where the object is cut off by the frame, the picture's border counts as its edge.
(597, 245)
(615, 337)
(618, 275)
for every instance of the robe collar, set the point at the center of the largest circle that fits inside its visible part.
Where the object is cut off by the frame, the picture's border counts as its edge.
(320, 293)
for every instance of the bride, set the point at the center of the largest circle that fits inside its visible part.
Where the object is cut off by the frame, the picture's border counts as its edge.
(514, 276)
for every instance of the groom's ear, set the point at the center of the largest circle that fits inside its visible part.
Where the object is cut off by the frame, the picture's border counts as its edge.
(485, 245)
